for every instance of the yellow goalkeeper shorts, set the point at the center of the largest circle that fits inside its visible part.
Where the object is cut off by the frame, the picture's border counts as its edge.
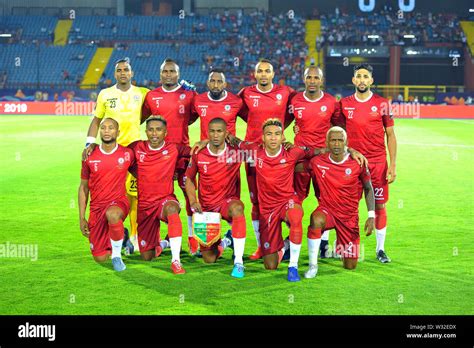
(131, 185)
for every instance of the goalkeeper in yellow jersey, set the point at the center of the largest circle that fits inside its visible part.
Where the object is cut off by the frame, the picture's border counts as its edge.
(122, 102)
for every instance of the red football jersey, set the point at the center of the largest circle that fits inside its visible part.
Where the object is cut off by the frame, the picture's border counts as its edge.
(275, 174)
(260, 106)
(365, 125)
(155, 169)
(339, 184)
(226, 108)
(107, 174)
(218, 175)
(175, 107)
(314, 118)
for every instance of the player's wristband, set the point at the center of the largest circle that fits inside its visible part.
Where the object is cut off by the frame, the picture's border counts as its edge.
(90, 140)
(371, 214)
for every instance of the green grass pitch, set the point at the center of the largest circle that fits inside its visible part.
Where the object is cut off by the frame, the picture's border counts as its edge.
(430, 239)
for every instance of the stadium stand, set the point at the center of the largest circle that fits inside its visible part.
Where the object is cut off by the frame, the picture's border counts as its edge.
(351, 29)
(233, 41)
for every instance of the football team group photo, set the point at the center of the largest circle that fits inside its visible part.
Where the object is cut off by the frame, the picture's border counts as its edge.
(242, 158)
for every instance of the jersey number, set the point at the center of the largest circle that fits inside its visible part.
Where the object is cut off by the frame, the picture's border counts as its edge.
(203, 112)
(112, 104)
(351, 112)
(378, 192)
(133, 184)
(324, 172)
(255, 102)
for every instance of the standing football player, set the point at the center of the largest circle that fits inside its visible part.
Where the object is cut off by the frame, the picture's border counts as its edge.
(217, 102)
(261, 101)
(122, 102)
(173, 102)
(368, 121)
(314, 112)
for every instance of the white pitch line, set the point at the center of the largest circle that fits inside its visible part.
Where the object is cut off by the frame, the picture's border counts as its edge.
(462, 121)
(438, 145)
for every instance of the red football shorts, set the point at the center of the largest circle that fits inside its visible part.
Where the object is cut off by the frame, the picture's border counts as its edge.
(378, 174)
(99, 238)
(252, 182)
(271, 239)
(149, 223)
(347, 231)
(302, 181)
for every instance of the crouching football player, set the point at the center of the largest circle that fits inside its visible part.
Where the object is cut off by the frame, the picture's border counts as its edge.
(103, 175)
(154, 167)
(339, 178)
(218, 166)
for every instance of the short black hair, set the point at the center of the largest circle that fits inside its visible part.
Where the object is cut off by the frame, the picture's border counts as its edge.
(216, 70)
(365, 66)
(218, 120)
(123, 60)
(114, 121)
(272, 122)
(169, 60)
(265, 60)
(156, 118)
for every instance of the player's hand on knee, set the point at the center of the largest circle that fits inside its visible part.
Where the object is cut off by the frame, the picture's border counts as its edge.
(84, 228)
(87, 151)
(369, 226)
(287, 145)
(196, 207)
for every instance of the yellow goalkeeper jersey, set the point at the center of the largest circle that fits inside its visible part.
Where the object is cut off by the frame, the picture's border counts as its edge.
(125, 108)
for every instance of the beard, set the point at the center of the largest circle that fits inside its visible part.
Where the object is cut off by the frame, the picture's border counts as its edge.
(362, 90)
(110, 141)
(216, 95)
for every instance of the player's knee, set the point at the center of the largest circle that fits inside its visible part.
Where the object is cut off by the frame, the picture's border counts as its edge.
(349, 264)
(147, 256)
(208, 257)
(101, 258)
(269, 265)
(317, 221)
(236, 209)
(172, 209)
(113, 216)
(295, 216)
(379, 206)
